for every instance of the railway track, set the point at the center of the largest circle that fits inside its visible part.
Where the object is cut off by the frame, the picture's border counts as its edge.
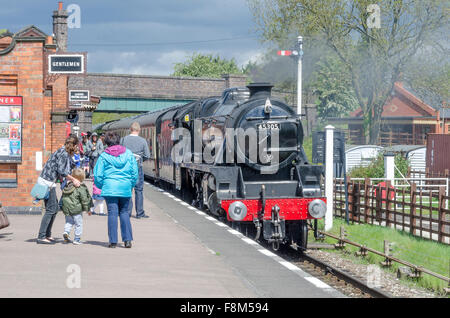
(336, 278)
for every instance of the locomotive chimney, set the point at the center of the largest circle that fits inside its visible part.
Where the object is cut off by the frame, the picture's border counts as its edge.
(260, 90)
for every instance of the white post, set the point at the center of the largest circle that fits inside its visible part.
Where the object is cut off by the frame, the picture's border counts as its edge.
(389, 167)
(76, 129)
(299, 75)
(329, 154)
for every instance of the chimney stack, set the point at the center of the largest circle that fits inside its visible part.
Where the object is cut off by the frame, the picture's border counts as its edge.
(60, 27)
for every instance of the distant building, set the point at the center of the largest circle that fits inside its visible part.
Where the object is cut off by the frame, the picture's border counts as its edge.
(406, 119)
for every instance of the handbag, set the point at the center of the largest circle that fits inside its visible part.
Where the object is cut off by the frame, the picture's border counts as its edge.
(4, 222)
(40, 191)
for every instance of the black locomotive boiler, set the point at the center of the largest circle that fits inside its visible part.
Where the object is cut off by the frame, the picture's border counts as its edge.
(240, 157)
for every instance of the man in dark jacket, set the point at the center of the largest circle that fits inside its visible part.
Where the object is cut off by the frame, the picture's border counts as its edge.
(140, 150)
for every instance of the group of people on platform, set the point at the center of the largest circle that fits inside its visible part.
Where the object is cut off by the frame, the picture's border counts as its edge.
(115, 165)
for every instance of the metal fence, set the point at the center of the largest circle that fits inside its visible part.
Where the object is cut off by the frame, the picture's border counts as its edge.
(420, 210)
(428, 174)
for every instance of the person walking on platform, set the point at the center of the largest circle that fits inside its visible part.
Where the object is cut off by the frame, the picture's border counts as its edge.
(75, 201)
(83, 151)
(115, 174)
(95, 148)
(58, 166)
(140, 150)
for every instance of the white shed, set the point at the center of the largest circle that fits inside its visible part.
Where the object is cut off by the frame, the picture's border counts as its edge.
(416, 154)
(360, 155)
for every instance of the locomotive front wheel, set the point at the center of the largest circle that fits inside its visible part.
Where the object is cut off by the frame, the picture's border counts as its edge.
(303, 242)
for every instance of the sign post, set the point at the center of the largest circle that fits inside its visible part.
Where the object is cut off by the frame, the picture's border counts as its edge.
(66, 64)
(79, 96)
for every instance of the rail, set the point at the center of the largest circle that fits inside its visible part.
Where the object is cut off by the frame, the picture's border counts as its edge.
(363, 249)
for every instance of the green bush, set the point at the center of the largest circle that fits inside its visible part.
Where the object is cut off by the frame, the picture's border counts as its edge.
(376, 168)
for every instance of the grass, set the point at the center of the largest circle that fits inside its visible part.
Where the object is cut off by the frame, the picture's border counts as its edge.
(431, 255)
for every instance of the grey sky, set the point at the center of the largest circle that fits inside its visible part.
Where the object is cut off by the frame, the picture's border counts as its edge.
(160, 31)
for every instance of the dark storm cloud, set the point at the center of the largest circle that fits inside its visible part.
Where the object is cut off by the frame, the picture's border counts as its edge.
(159, 31)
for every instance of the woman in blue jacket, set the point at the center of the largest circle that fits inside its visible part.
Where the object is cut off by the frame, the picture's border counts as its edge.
(116, 173)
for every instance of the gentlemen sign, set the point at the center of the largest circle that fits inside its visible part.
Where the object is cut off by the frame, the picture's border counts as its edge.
(66, 64)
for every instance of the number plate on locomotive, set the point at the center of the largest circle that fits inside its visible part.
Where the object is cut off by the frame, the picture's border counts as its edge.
(271, 126)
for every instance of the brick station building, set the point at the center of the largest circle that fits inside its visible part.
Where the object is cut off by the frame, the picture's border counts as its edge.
(23, 72)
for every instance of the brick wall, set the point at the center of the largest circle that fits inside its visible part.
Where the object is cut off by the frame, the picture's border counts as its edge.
(164, 87)
(24, 64)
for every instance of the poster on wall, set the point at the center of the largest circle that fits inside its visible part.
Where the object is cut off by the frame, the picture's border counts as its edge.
(14, 132)
(11, 108)
(15, 114)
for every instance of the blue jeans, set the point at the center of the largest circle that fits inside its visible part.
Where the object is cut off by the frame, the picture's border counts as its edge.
(139, 195)
(51, 209)
(77, 221)
(118, 207)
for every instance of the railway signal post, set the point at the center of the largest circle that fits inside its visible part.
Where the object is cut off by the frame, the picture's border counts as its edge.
(298, 54)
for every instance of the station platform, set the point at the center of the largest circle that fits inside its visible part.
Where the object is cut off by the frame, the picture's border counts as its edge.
(179, 252)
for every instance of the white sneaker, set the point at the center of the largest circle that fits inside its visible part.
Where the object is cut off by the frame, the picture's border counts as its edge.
(77, 242)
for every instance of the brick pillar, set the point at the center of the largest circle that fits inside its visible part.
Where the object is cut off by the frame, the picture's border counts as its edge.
(60, 27)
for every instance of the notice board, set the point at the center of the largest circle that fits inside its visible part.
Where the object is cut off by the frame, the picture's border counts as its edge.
(11, 115)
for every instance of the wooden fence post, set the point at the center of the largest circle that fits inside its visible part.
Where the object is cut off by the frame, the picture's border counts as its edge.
(441, 214)
(412, 210)
(357, 202)
(350, 186)
(366, 200)
(378, 204)
(388, 203)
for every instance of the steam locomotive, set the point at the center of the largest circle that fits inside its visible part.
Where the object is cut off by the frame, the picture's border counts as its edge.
(240, 157)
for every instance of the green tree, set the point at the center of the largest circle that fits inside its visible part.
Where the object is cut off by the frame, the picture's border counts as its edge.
(429, 76)
(335, 95)
(201, 65)
(374, 56)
